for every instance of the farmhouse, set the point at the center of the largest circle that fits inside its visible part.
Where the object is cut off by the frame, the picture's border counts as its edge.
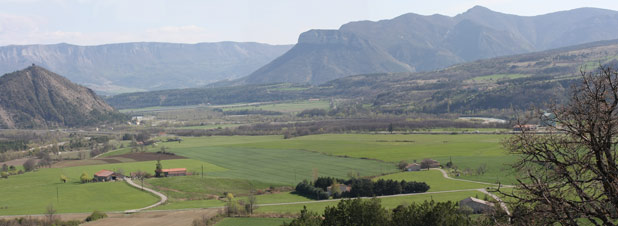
(175, 172)
(341, 188)
(477, 205)
(104, 175)
(430, 163)
(413, 167)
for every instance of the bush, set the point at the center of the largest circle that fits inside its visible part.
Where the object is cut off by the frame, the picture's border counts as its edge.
(84, 178)
(96, 215)
(4, 175)
(29, 165)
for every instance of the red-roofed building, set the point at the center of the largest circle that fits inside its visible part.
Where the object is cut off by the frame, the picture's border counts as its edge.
(104, 175)
(175, 172)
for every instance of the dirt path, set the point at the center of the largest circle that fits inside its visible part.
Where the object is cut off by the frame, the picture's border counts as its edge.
(502, 204)
(162, 196)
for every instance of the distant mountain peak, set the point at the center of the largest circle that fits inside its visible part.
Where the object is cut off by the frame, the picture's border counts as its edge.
(38, 98)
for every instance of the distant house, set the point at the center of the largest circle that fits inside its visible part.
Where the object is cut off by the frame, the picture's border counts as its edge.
(476, 205)
(104, 175)
(429, 163)
(342, 188)
(413, 167)
(526, 127)
(174, 172)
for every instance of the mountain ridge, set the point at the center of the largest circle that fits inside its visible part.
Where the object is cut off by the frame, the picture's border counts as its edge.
(425, 43)
(135, 66)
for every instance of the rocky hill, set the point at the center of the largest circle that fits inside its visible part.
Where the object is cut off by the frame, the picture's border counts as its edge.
(37, 98)
(130, 67)
(413, 42)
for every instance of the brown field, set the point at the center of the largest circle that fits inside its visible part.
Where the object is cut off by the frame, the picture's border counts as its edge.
(16, 162)
(131, 157)
(170, 218)
(148, 156)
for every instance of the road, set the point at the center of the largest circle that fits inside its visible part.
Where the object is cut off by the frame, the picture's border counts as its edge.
(502, 204)
(162, 196)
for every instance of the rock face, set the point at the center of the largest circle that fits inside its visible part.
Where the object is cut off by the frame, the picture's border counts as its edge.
(126, 67)
(37, 98)
(413, 42)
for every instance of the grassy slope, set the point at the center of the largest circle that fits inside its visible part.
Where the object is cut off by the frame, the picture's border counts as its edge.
(388, 202)
(32, 192)
(434, 179)
(296, 106)
(283, 197)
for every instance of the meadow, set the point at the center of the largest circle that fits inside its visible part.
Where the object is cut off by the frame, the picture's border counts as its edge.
(278, 166)
(466, 151)
(434, 179)
(285, 107)
(32, 192)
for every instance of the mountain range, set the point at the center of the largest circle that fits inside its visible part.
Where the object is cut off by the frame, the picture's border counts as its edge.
(491, 87)
(130, 67)
(412, 42)
(37, 98)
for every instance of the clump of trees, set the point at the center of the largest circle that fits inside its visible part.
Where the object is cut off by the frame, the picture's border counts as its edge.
(358, 188)
(370, 212)
(306, 189)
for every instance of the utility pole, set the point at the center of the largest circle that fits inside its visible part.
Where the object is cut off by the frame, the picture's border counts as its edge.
(57, 195)
(202, 171)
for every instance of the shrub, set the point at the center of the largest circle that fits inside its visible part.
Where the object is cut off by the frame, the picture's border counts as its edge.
(96, 215)
(4, 175)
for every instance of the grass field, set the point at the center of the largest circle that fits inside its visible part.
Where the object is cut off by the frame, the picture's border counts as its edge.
(272, 165)
(434, 179)
(242, 221)
(196, 187)
(467, 151)
(283, 197)
(287, 107)
(387, 202)
(32, 192)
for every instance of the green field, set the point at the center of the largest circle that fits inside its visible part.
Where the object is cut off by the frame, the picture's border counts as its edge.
(283, 197)
(296, 106)
(387, 202)
(272, 165)
(242, 221)
(434, 179)
(32, 192)
(196, 187)
(467, 151)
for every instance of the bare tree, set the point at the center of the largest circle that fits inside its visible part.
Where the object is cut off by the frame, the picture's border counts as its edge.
(50, 213)
(571, 174)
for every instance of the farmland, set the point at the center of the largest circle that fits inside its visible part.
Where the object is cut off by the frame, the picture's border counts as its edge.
(237, 164)
(32, 192)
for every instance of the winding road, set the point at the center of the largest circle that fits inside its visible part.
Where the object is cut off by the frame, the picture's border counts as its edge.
(162, 196)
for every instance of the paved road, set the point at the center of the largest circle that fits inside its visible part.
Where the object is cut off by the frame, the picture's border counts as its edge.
(162, 196)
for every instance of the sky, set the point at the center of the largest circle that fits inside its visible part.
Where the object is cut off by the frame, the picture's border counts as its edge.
(94, 22)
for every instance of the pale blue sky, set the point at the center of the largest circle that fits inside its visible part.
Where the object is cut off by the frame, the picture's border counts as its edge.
(91, 22)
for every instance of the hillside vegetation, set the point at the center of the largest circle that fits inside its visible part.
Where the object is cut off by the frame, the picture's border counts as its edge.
(485, 86)
(37, 98)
